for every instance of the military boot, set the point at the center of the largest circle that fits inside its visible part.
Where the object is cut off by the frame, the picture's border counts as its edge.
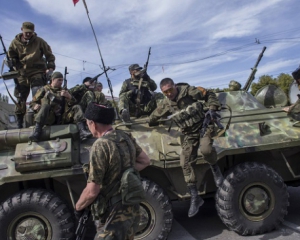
(35, 137)
(84, 134)
(217, 174)
(20, 118)
(196, 201)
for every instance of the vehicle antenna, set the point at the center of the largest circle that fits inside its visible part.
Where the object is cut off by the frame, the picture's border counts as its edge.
(102, 61)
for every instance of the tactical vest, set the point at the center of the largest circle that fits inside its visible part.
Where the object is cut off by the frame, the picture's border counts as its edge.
(145, 93)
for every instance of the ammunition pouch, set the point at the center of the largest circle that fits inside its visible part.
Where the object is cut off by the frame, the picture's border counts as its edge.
(190, 116)
(131, 188)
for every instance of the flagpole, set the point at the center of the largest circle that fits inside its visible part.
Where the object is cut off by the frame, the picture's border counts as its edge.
(108, 80)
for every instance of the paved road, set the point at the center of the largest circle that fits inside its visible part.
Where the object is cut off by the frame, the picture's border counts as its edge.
(207, 225)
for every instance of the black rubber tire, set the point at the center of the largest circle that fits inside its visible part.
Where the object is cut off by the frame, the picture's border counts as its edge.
(236, 189)
(159, 211)
(40, 205)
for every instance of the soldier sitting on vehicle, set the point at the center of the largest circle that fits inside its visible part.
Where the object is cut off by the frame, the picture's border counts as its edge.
(137, 96)
(47, 104)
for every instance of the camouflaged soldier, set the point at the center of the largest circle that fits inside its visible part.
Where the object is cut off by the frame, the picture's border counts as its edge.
(28, 53)
(110, 155)
(83, 93)
(234, 85)
(47, 104)
(135, 103)
(185, 103)
(293, 111)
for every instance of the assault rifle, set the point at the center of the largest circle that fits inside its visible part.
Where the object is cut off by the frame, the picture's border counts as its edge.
(140, 94)
(96, 77)
(254, 69)
(82, 224)
(12, 74)
(63, 99)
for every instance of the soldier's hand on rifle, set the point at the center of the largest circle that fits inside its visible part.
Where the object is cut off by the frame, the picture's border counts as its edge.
(66, 94)
(78, 214)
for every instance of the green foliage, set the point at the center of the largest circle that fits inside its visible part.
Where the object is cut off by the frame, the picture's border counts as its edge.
(283, 81)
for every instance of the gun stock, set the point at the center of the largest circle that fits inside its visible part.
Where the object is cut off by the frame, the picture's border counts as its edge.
(254, 69)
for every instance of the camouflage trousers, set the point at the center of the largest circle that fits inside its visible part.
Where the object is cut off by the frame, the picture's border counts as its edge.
(190, 145)
(120, 223)
(21, 92)
(145, 109)
(46, 116)
(87, 98)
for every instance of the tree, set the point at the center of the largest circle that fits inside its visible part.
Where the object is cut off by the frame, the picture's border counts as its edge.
(284, 81)
(263, 81)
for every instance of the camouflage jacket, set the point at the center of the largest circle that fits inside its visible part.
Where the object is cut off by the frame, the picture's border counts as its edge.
(100, 97)
(28, 57)
(109, 156)
(78, 91)
(186, 96)
(130, 85)
(41, 97)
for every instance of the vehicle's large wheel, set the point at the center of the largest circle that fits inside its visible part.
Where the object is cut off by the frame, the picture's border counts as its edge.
(252, 200)
(35, 214)
(156, 214)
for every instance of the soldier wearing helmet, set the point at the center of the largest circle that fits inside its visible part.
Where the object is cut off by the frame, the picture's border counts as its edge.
(234, 85)
(138, 88)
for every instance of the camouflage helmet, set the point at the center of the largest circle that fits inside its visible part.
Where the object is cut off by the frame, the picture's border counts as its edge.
(234, 85)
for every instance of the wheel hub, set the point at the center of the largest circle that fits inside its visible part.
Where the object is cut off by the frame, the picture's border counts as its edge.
(147, 221)
(30, 226)
(257, 201)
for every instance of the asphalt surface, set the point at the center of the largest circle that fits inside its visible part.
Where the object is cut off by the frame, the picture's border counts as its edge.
(207, 225)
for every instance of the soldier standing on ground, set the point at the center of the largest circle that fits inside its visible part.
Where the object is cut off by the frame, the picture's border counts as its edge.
(47, 104)
(129, 93)
(28, 53)
(110, 155)
(187, 102)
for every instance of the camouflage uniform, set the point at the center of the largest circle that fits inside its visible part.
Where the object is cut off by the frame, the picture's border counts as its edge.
(28, 59)
(149, 100)
(186, 96)
(50, 111)
(106, 167)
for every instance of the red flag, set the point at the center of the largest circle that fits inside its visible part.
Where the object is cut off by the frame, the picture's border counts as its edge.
(75, 1)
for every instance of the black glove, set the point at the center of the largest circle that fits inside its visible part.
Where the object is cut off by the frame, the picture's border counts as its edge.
(78, 214)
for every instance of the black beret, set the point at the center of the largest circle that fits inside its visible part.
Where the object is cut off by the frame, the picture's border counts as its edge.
(100, 113)
(86, 79)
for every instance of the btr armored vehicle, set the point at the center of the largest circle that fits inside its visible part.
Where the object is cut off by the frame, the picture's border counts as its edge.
(258, 155)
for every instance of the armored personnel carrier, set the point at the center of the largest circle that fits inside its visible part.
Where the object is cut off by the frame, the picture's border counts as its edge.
(258, 155)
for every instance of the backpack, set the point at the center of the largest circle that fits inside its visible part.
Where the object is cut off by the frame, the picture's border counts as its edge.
(131, 187)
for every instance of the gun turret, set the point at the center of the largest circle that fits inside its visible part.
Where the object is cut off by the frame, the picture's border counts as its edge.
(254, 69)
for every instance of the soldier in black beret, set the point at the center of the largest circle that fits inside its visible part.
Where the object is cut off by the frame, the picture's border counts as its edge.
(112, 153)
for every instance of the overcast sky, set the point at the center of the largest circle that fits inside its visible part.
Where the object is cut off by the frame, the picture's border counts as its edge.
(204, 43)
